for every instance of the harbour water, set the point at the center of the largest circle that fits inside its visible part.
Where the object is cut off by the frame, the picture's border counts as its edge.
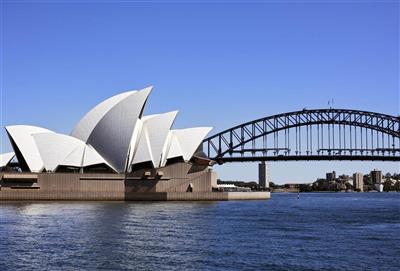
(317, 231)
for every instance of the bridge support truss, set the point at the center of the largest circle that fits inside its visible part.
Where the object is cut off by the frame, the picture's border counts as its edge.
(320, 134)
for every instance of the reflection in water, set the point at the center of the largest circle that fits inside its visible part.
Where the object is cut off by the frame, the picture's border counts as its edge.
(317, 231)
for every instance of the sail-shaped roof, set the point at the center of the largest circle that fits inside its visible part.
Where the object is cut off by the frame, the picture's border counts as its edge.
(55, 148)
(153, 140)
(86, 125)
(5, 158)
(62, 150)
(113, 133)
(92, 157)
(109, 126)
(185, 142)
(25, 147)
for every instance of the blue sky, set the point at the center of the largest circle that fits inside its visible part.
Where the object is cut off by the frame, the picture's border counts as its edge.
(220, 63)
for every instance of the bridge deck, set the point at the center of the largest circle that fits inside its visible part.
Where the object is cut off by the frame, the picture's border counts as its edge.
(309, 158)
(323, 134)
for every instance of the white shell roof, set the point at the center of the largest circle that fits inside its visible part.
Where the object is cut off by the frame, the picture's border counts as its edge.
(112, 135)
(75, 158)
(92, 157)
(57, 149)
(86, 125)
(140, 148)
(135, 140)
(22, 136)
(184, 142)
(6, 158)
(175, 149)
(153, 141)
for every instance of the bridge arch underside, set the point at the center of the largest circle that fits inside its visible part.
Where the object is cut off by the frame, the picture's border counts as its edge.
(310, 135)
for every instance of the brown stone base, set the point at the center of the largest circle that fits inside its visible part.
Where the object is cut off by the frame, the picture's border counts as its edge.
(173, 184)
(161, 196)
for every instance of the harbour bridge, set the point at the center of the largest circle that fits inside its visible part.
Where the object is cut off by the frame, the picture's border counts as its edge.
(306, 135)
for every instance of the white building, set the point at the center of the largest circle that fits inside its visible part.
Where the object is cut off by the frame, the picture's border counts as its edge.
(114, 135)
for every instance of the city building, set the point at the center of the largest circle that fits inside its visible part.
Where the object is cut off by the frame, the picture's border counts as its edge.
(358, 182)
(331, 176)
(376, 176)
(263, 175)
(114, 152)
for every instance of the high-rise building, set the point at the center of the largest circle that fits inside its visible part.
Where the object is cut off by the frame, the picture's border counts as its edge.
(331, 176)
(263, 175)
(358, 181)
(376, 176)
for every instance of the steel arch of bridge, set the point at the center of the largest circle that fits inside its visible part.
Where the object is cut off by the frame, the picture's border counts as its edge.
(380, 133)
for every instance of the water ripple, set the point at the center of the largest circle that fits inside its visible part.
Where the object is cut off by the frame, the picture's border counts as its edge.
(329, 232)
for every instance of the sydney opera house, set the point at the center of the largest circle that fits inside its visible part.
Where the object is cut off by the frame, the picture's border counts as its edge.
(113, 153)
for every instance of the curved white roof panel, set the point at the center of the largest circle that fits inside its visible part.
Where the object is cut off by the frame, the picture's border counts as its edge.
(25, 146)
(112, 135)
(75, 158)
(175, 149)
(135, 140)
(55, 148)
(92, 157)
(153, 140)
(142, 152)
(6, 158)
(62, 150)
(86, 125)
(184, 142)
